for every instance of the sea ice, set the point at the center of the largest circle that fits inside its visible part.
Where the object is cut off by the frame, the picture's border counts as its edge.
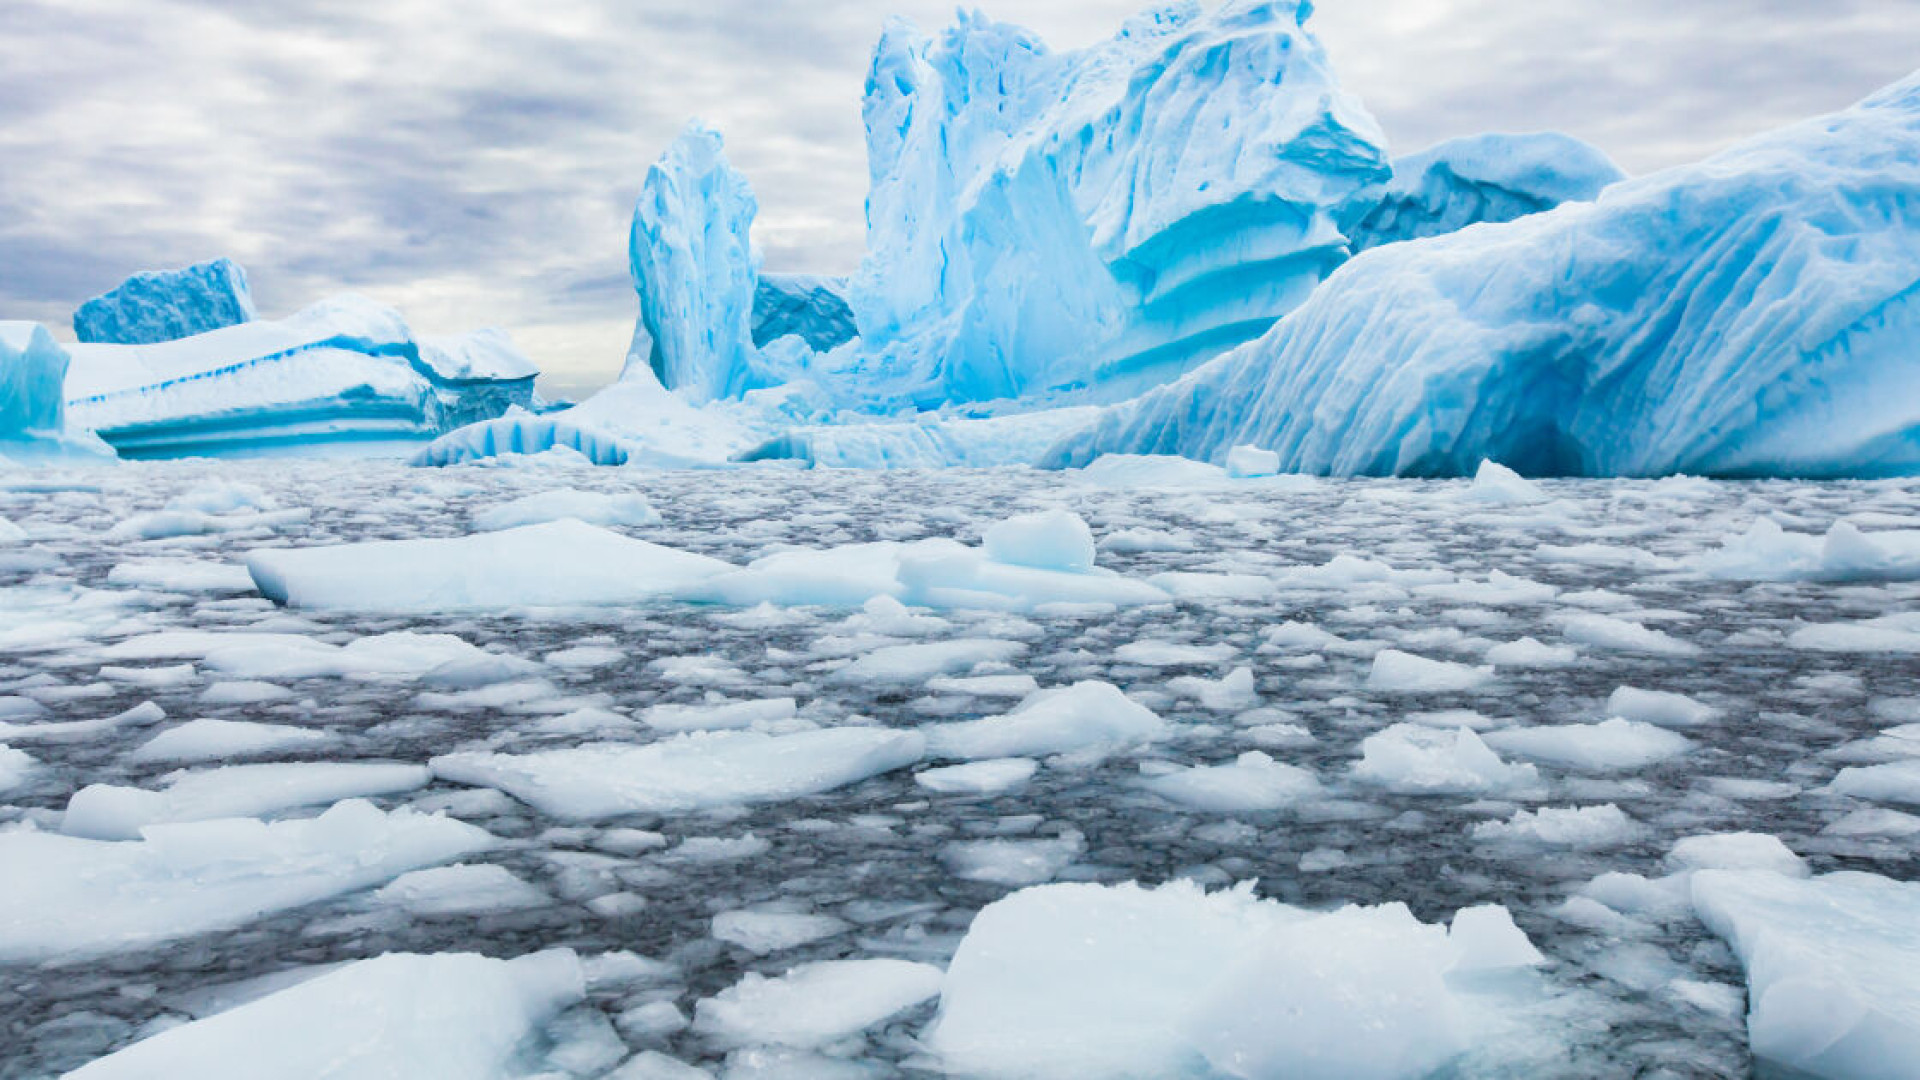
(109, 812)
(1084, 717)
(815, 1004)
(1614, 745)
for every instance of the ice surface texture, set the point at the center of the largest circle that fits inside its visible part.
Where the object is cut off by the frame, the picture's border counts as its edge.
(813, 307)
(1751, 315)
(694, 267)
(166, 305)
(344, 371)
(1478, 178)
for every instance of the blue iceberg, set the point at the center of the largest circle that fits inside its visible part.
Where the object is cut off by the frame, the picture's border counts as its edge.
(33, 420)
(1090, 223)
(695, 268)
(166, 305)
(345, 375)
(1478, 178)
(1757, 314)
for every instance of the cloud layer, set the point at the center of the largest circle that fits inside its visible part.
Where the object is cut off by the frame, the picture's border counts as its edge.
(475, 163)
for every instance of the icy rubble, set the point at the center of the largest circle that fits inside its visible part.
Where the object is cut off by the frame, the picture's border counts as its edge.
(1750, 315)
(1478, 178)
(166, 305)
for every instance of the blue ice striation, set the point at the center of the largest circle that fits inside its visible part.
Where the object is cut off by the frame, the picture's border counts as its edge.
(1089, 223)
(695, 268)
(166, 305)
(345, 375)
(1478, 178)
(1755, 314)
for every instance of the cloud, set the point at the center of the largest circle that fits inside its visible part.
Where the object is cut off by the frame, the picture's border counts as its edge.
(476, 163)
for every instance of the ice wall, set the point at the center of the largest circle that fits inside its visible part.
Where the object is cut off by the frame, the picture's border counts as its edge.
(1479, 178)
(1044, 221)
(165, 305)
(695, 268)
(1756, 314)
(33, 371)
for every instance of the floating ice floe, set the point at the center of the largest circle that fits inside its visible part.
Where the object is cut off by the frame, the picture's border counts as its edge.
(1397, 672)
(452, 1015)
(1414, 759)
(1766, 552)
(1108, 982)
(213, 740)
(1087, 717)
(814, 1005)
(1613, 745)
(697, 771)
(990, 776)
(1253, 781)
(1580, 827)
(109, 812)
(1831, 961)
(186, 879)
(762, 932)
(252, 655)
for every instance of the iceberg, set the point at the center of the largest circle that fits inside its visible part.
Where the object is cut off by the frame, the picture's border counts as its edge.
(345, 373)
(1751, 315)
(166, 305)
(1478, 178)
(809, 306)
(695, 268)
(1043, 221)
(33, 411)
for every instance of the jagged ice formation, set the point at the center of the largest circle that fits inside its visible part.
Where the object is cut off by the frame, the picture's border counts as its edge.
(166, 305)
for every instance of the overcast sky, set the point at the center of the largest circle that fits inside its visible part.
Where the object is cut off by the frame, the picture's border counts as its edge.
(476, 162)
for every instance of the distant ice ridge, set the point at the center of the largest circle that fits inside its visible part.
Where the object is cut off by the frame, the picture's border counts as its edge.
(1752, 315)
(344, 373)
(166, 305)
(33, 411)
(1478, 178)
(1042, 220)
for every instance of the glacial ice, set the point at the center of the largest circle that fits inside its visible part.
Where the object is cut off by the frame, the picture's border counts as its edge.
(1082, 718)
(1122, 981)
(345, 373)
(457, 1016)
(166, 305)
(809, 306)
(1042, 221)
(111, 812)
(1465, 181)
(1749, 315)
(694, 266)
(33, 411)
(815, 1004)
(1612, 745)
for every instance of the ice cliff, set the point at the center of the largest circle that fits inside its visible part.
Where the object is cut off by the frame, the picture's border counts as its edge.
(33, 423)
(165, 305)
(1755, 314)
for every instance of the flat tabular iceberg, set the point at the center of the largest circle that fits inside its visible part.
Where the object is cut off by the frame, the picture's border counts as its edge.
(1751, 315)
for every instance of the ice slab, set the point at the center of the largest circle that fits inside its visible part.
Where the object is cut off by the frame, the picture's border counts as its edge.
(448, 1016)
(109, 812)
(1084, 717)
(688, 772)
(814, 1005)
(187, 879)
(166, 305)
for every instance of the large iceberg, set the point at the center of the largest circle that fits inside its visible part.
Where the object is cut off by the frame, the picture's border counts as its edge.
(695, 268)
(1755, 314)
(1044, 221)
(33, 411)
(346, 372)
(166, 305)
(1478, 178)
